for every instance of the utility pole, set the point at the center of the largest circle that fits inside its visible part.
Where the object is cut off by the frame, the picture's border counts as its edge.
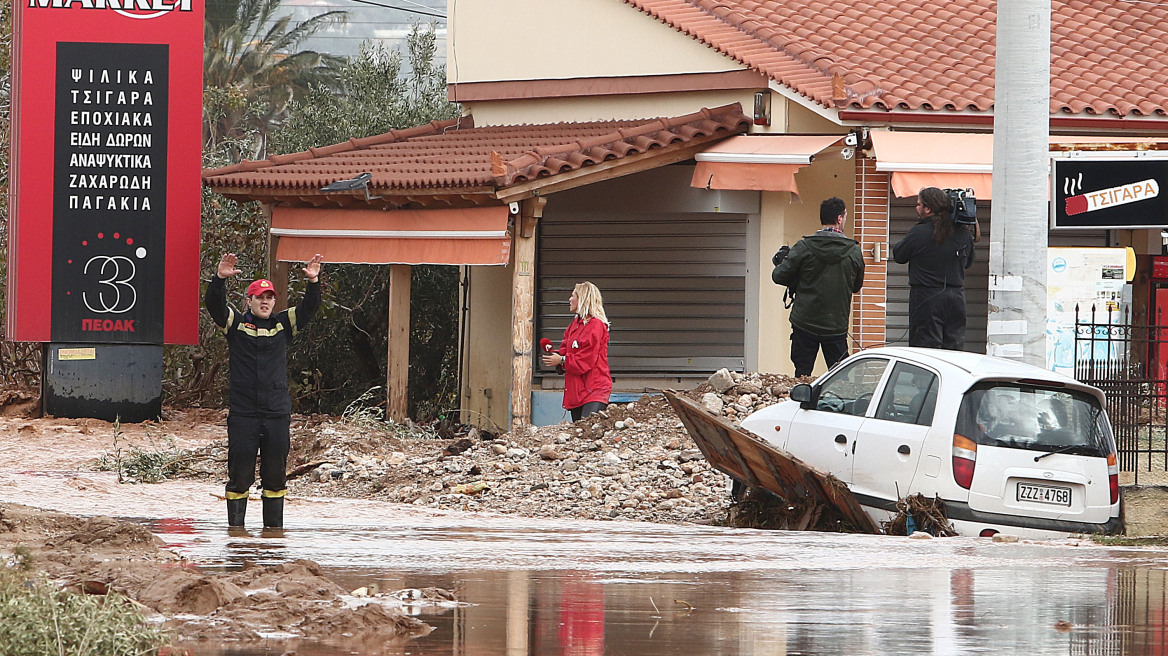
(1018, 239)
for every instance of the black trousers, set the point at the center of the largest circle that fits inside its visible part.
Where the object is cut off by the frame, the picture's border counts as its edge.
(587, 409)
(248, 437)
(805, 346)
(936, 317)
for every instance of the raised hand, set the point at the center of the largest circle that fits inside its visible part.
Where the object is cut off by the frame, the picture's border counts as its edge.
(227, 266)
(312, 269)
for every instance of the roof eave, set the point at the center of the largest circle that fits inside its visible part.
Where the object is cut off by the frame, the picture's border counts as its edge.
(586, 175)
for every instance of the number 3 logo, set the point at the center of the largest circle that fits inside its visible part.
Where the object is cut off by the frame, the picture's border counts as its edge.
(121, 271)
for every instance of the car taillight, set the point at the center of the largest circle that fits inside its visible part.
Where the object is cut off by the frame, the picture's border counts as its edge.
(964, 460)
(1113, 477)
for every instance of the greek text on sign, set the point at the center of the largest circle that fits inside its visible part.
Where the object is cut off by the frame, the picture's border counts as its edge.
(1104, 198)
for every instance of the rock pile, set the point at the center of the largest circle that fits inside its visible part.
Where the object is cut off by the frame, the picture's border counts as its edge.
(634, 461)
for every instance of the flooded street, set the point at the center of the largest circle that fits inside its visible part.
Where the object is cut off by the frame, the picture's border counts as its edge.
(543, 587)
(540, 586)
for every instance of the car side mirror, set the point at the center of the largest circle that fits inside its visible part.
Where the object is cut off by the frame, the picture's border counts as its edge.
(803, 394)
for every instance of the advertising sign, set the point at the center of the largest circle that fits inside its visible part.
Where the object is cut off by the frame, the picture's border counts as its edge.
(104, 196)
(1109, 193)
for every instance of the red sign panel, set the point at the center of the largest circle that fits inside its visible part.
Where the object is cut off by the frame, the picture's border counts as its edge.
(1160, 267)
(104, 195)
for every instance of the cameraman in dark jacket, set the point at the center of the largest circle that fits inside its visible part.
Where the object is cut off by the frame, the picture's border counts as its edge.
(823, 270)
(938, 252)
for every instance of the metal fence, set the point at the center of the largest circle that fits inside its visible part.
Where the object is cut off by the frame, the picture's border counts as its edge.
(1129, 362)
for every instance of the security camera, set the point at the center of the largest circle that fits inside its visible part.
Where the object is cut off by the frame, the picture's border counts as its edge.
(850, 140)
(514, 208)
(848, 153)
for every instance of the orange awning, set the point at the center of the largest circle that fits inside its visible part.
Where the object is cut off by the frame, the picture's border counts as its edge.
(936, 159)
(476, 236)
(952, 160)
(758, 162)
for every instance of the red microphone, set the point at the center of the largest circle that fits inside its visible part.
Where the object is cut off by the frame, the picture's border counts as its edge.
(545, 345)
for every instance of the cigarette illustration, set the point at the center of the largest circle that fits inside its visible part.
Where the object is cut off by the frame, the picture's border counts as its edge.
(1104, 198)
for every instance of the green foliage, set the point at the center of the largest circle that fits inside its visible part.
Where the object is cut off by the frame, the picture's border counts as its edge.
(371, 96)
(152, 465)
(253, 70)
(36, 618)
(365, 412)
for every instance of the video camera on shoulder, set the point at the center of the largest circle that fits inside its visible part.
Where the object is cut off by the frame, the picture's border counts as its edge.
(781, 255)
(964, 206)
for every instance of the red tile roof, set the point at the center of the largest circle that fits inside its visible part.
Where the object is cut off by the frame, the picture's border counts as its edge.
(1107, 56)
(456, 155)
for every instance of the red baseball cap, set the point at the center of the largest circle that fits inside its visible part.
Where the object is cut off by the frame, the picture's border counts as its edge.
(259, 287)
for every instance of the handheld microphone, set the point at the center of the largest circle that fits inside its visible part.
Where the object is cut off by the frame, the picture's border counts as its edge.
(545, 345)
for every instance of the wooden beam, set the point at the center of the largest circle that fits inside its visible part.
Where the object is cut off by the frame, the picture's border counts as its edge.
(397, 368)
(277, 270)
(522, 313)
(530, 214)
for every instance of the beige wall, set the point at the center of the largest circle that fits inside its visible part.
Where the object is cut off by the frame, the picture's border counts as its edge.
(603, 108)
(562, 39)
(487, 353)
(784, 220)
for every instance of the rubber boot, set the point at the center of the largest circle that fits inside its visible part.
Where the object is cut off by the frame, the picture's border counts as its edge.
(236, 509)
(273, 512)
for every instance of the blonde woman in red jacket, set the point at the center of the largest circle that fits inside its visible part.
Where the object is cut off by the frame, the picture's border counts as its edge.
(583, 353)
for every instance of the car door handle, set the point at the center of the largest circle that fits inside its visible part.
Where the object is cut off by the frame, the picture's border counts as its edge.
(841, 439)
(903, 449)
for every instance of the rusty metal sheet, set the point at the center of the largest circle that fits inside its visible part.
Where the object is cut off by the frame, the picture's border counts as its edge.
(750, 460)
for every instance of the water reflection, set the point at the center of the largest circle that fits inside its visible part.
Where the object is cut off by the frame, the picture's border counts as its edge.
(598, 588)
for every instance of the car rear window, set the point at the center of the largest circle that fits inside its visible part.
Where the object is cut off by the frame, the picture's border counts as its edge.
(1035, 418)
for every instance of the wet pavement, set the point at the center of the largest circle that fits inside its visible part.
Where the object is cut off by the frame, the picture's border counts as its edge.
(575, 587)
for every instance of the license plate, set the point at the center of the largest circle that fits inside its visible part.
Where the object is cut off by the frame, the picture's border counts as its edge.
(1057, 496)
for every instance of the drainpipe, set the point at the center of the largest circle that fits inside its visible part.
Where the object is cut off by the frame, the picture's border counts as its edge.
(1017, 285)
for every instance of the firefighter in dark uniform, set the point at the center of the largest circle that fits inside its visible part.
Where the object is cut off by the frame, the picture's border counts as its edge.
(261, 409)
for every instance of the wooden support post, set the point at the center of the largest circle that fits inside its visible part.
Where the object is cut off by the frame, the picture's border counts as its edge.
(522, 310)
(397, 369)
(280, 272)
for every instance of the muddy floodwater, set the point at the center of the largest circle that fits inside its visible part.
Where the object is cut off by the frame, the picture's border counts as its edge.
(562, 587)
(539, 586)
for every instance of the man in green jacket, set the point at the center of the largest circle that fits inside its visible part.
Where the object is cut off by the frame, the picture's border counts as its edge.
(823, 270)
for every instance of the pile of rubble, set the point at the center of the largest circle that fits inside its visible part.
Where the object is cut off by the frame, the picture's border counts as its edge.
(633, 461)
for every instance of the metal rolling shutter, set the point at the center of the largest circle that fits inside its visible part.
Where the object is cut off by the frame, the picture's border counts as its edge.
(902, 216)
(674, 286)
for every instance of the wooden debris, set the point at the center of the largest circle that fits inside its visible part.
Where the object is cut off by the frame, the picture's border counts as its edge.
(928, 515)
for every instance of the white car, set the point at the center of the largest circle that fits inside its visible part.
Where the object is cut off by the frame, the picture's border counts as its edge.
(1008, 447)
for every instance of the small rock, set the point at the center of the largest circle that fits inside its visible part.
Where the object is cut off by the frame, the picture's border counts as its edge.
(712, 403)
(1002, 537)
(550, 452)
(721, 380)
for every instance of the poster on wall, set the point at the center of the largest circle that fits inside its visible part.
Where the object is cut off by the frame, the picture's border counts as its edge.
(1084, 285)
(104, 195)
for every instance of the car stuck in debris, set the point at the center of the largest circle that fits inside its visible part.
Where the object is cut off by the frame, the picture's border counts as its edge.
(1003, 447)
(1006, 446)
